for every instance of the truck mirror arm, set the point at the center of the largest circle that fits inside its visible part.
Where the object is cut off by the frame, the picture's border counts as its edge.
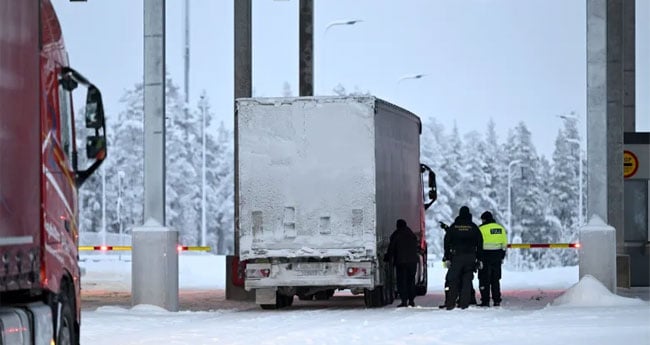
(82, 175)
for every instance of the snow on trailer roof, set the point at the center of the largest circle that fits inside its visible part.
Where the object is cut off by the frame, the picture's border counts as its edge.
(277, 101)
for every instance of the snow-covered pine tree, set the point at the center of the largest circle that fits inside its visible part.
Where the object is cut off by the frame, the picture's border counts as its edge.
(286, 90)
(432, 154)
(455, 169)
(494, 170)
(183, 166)
(529, 221)
(219, 184)
(125, 158)
(565, 185)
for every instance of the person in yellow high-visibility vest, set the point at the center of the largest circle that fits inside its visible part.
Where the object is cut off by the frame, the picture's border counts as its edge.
(495, 243)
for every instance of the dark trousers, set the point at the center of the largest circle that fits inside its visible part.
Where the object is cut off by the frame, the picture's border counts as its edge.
(406, 281)
(488, 281)
(459, 280)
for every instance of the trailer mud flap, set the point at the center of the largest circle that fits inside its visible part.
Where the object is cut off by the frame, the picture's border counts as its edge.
(265, 296)
(238, 271)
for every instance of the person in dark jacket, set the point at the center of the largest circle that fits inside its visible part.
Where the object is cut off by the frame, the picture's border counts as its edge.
(463, 247)
(495, 243)
(403, 251)
(447, 264)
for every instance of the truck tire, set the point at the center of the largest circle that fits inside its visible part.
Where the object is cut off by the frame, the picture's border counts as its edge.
(64, 303)
(304, 297)
(374, 298)
(323, 295)
(389, 291)
(281, 301)
(287, 300)
(422, 270)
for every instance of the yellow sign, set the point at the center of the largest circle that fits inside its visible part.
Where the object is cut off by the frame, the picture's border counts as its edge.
(630, 164)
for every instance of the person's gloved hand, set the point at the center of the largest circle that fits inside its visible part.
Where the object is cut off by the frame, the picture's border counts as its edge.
(443, 226)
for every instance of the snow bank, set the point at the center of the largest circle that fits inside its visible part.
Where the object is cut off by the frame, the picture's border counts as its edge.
(589, 292)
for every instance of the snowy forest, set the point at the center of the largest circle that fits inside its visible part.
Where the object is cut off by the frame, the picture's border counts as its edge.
(477, 169)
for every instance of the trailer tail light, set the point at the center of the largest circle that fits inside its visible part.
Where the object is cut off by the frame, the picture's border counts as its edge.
(257, 273)
(103, 248)
(357, 271)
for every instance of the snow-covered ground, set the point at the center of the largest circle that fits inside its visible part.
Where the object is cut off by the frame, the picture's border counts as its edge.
(540, 307)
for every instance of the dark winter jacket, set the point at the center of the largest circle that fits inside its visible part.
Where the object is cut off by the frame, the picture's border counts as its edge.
(463, 237)
(403, 247)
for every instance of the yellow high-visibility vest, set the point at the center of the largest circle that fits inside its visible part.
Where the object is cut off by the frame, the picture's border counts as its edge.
(494, 236)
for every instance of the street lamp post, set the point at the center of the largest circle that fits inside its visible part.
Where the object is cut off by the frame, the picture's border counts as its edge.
(104, 206)
(322, 54)
(120, 176)
(516, 161)
(412, 76)
(406, 77)
(203, 225)
(342, 22)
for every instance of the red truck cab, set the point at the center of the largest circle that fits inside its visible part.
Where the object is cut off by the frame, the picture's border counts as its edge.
(40, 176)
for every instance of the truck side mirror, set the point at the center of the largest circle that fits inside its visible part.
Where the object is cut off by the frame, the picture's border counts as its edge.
(433, 195)
(433, 190)
(94, 108)
(95, 147)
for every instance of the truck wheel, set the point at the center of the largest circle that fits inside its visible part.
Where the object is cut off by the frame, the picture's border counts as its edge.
(304, 297)
(389, 287)
(287, 301)
(322, 295)
(281, 301)
(374, 298)
(66, 329)
(389, 292)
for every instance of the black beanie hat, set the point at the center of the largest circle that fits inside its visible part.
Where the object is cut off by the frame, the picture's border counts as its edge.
(401, 223)
(464, 212)
(487, 215)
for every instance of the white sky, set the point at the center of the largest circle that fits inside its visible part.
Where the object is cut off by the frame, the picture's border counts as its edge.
(510, 60)
(533, 312)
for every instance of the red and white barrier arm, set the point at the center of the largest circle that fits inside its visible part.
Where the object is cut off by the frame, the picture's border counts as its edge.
(543, 245)
(105, 248)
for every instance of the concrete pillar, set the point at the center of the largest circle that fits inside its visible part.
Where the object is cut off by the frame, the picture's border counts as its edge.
(628, 65)
(596, 108)
(243, 81)
(154, 273)
(154, 266)
(610, 93)
(597, 253)
(306, 50)
(154, 110)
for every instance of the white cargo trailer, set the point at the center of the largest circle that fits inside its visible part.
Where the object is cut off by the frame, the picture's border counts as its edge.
(321, 182)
